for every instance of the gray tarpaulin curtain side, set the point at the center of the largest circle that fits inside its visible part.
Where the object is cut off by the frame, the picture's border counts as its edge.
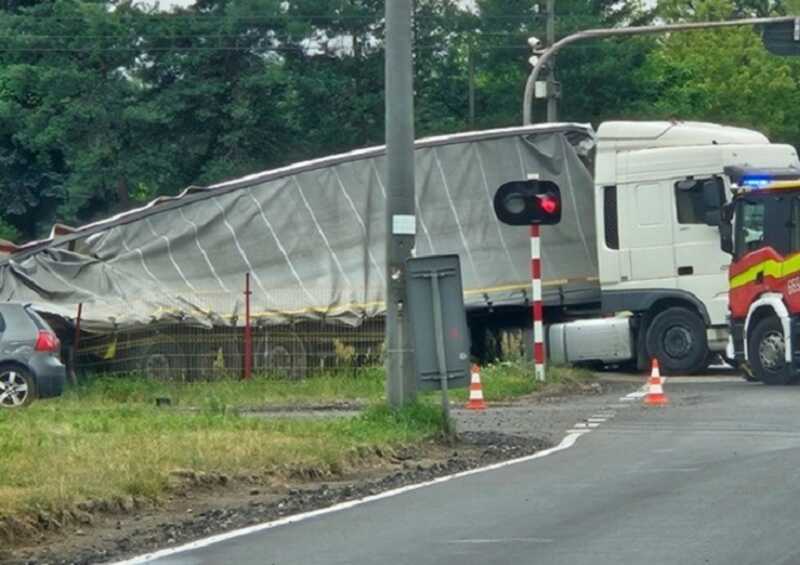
(312, 237)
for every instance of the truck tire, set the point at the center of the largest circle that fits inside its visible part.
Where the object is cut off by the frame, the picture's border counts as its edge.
(677, 338)
(766, 353)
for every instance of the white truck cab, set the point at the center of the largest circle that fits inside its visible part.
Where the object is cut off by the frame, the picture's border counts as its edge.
(659, 187)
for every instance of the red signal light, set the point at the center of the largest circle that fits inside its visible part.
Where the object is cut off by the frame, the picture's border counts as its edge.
(548, 204)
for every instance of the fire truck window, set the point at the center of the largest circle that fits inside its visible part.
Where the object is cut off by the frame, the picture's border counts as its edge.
(690, 202)
(750, 227)
(794, 227)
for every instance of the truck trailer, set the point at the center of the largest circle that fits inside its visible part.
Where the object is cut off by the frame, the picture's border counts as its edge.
(634, 270)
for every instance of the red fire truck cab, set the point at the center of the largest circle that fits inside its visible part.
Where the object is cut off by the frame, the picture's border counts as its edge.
(761, 229)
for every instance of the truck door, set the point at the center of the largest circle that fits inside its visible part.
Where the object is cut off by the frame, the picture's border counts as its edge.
(647, 233)
(701, 266)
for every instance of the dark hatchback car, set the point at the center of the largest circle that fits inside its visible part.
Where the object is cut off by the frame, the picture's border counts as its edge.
(30, 364)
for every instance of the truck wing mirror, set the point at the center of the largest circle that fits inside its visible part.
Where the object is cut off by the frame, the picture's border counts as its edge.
(713, 217)
(726, 236)
(713, 191)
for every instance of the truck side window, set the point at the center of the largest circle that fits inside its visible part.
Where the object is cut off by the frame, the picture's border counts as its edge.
(691, 203)
(610, 216)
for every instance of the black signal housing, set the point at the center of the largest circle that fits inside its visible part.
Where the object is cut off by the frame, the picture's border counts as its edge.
(528, 202)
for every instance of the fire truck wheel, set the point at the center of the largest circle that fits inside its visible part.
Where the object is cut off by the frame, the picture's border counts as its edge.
(766, 352)
(677, 338)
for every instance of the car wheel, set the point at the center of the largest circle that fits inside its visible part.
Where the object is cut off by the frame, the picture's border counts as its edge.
(17, 387)
(766, 352)
(677, 338)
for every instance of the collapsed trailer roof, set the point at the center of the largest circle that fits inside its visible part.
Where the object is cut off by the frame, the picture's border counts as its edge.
(312, 236)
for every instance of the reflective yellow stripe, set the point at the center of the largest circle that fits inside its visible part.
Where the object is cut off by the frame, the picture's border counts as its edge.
(770, 268)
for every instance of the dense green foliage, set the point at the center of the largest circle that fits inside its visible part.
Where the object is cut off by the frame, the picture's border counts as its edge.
(103, 106)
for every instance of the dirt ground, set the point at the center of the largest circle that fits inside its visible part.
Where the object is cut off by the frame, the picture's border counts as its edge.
(202, 505)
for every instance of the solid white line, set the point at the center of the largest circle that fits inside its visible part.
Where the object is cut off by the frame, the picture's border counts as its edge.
(503, 540)
(568, 441)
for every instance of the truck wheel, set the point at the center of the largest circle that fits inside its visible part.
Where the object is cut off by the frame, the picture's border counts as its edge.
(766, 353)
(282, 354)
(677, 338)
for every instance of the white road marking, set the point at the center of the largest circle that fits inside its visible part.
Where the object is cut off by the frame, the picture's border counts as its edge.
(568, 441)
(581, 425)
(503, 540)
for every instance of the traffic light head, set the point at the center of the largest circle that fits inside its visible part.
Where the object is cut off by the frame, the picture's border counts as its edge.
(523, 203)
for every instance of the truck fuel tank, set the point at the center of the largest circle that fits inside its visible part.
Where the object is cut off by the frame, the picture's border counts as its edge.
(605, 339)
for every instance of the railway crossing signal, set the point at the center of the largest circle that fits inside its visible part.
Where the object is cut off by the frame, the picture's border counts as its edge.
(531, 203)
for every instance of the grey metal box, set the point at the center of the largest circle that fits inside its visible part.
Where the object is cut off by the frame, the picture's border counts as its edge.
(438, 321)
(605, 339)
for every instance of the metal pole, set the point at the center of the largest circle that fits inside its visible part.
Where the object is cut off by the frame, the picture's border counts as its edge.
(400, 212)
(76, 346)
(248, 335)
(438, 328)
(536, 303)
(552, 100)
(549, 53)
(471, 63)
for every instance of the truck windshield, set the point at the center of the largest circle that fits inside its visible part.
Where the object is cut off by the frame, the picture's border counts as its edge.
(749, 226)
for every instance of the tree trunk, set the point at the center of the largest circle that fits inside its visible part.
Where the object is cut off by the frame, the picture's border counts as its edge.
(123, 198)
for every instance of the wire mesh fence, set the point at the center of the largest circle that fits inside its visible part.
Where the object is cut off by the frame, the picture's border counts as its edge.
(176, 351)
(221, 335)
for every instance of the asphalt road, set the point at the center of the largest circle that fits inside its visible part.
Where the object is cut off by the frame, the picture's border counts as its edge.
(713, 478)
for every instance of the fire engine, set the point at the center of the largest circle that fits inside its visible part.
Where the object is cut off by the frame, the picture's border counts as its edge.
(760, 228)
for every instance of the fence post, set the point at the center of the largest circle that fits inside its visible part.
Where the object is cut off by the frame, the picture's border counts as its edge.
(248, 336)
(73, 362)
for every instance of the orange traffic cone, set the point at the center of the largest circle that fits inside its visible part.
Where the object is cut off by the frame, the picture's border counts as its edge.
(475, 391)
(655, 388)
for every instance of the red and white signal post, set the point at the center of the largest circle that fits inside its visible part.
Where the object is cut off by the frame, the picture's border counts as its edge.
(536, 302)
(533, 203)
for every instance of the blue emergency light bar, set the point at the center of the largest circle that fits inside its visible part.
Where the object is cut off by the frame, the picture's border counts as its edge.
(755, 179)
(755, 183)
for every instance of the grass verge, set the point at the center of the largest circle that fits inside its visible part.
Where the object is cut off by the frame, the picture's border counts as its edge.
(61, 452)
(106, 438)
(506, 381)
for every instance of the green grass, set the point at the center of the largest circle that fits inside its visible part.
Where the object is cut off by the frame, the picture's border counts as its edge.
(501, 382)
(106, 438)
(506, 381)
(366, 386)
(63, 451)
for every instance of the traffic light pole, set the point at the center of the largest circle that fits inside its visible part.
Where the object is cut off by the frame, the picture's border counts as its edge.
(536, 303)
(400, 211)
(552, 97)
(545, 56)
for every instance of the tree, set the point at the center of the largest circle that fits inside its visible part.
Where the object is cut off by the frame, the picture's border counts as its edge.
(723, 76)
